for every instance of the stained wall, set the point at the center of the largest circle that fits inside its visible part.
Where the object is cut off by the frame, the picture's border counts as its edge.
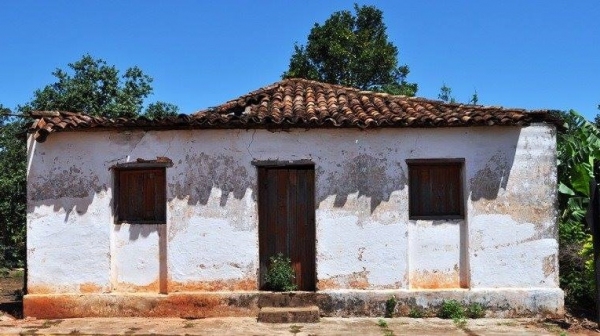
(365, 239)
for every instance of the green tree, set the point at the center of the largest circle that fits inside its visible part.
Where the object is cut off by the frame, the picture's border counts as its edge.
(12, 190)
(90, 86)
(446, 94)
(578, 149)
(474, 98)
(93, 87)
(352, 50)
(160, 110)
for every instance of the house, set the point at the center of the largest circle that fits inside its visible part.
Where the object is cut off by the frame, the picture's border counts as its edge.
(370, 195)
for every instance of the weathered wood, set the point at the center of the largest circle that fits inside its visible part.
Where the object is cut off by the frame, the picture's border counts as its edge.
(141, 195)
(435, 190)
(287, 221)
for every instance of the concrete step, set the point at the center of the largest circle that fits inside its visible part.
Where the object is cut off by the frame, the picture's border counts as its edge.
(308, 314)
(288, 299)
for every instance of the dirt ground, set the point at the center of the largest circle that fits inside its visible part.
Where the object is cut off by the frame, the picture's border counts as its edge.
(249, 326)
(11, 293)
(12, 323)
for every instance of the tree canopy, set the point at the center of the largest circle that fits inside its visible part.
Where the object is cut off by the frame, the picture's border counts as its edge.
(160, 110)
(446, 94)
(352, 50)
(93, 87)
(12, 191)
(89, 85)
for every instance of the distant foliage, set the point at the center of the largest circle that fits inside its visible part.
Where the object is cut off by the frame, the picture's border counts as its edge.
(474, 98)
(446, 94)
(12, 191)
(352, 50)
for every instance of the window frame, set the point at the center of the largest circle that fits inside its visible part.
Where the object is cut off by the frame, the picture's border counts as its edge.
(451, 162)
(117, 194)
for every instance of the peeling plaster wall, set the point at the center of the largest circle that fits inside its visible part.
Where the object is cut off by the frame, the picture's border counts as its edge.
(365, 239)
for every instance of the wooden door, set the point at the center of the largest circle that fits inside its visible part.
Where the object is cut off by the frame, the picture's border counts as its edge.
(287, 220)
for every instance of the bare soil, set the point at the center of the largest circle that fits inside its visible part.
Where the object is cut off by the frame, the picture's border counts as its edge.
(11, 293)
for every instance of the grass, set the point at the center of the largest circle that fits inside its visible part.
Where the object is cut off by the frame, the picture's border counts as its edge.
(50, 323)
(294, 329)
(553, 328)
(384, 326)
(508, 324)
(132, 330)
(459, 322)
(17, 273)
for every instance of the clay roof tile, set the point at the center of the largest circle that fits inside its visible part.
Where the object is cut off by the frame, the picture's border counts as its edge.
(306, 103)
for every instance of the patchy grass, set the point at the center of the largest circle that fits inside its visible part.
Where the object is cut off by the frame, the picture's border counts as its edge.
(18, 273)
(384, 327)
(50, 323)
(132, 330)
(507, 324)
(294, 329)
(553, 328)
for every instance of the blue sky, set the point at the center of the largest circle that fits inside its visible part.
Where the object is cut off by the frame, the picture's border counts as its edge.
(531, 54)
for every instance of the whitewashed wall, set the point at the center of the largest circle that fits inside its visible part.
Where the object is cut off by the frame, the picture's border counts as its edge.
(364, 237)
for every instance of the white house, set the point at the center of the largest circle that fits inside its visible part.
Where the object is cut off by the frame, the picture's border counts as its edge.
(370, 195)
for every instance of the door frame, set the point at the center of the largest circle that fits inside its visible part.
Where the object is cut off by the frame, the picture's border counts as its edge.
(270, 164)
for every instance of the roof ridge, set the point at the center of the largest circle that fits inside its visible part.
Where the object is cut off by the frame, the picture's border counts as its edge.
(305, 103)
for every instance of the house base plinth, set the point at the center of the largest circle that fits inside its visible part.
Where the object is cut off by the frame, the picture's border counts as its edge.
(343, 303)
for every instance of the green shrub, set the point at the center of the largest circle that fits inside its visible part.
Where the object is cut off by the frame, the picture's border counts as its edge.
(280, 275)
(451, 309)
(390, 306)
(415, 313)
(475, 310)
(578, 148)
(576, 266)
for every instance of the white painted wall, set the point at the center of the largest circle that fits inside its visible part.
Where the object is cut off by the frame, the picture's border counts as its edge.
(364, 237)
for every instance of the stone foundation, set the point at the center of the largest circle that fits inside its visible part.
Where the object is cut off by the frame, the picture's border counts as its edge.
(497, 303)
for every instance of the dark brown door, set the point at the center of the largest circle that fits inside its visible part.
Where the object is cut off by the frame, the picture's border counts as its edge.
(287, 220)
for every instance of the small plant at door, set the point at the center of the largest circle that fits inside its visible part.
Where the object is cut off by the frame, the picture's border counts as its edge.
(390, 306)
(280, 275)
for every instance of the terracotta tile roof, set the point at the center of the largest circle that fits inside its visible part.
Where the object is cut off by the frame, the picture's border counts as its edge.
(306, 104)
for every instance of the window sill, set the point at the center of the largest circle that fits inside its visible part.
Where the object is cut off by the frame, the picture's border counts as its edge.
(140, 222)
(445, 217)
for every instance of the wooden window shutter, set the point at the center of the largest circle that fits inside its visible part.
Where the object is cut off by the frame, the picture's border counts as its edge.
(141, 195)
(435, 189)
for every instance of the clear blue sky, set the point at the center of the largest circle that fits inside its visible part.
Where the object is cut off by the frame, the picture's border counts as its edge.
(531, 54)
